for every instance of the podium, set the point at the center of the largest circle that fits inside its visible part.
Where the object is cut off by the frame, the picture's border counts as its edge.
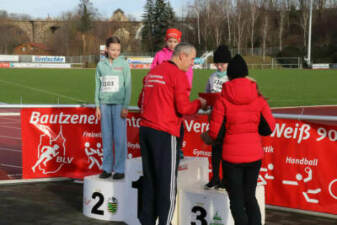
(113, 200)
(199, 206)
(118, 200)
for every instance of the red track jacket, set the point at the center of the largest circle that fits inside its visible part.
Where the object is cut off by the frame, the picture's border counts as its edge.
(164, 99)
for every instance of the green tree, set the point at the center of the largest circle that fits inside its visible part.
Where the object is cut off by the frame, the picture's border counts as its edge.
(148, 21)
(164, 18)
(158, 17)
(86, 14)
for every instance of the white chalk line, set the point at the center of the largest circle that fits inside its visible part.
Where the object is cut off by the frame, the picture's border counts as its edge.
(9, 165)
(41, 90)
(10, 149)
(10, 114)
(1, 136)
(8, 127)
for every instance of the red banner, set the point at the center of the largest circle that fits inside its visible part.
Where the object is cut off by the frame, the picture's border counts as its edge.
(298, 169)
(60, 142)
(66, 142)
(4, 65)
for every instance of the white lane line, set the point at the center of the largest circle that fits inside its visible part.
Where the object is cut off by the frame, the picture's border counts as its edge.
(10, 122)
(15, 138)
(306, 106)
(10, 149)
(35, 180)
(10, 118)
(8, 127)
(15, 175)
(10, 114)
(14, 124)
(41, 90)
(8, 165)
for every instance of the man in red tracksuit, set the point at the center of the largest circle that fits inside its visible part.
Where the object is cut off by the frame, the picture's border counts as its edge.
(163, 101)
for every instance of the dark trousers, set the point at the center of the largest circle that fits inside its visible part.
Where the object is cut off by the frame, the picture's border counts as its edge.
(242, 181)
(216, 159)
(160, 165)
(180, 141)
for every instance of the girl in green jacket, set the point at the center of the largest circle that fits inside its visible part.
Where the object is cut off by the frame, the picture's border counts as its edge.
(112, 97)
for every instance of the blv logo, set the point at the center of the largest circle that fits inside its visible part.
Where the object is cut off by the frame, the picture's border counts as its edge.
(51, 153)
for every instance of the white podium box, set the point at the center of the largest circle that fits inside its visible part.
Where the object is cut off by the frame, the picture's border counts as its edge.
(199, 206)
(192, 170)
(112, 200)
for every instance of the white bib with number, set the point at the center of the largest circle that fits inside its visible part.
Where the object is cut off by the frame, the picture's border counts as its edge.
(110, 83)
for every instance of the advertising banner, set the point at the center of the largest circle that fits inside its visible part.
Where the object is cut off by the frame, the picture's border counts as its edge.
(41, 65)
(5, 65)
(60, 142)
(140, 66)
(66, 142)
(49, 59)
(101, 52)
(140, 60)
(298, 170)
(9, 58)
(320, 66)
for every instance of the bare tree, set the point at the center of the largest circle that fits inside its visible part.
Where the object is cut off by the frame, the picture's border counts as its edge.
(265, 28)
(86, 13)
(283, 13)
(253, 17)
(217, 18)
(241, 22)
(11, 36)
(304, 19)
(228, 8)
(320, 5)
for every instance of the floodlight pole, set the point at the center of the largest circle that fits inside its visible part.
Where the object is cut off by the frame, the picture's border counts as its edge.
(309, 36)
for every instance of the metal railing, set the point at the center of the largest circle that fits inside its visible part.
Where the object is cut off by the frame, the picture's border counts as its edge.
(135, 108)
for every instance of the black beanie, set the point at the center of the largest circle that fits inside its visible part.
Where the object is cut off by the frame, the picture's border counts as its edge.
(221, 54)
(237, 67)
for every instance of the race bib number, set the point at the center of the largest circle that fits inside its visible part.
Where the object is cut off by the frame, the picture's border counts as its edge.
(217, 84)
(109, 84)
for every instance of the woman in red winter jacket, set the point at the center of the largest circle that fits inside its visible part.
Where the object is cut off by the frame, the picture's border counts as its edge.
(242, 115)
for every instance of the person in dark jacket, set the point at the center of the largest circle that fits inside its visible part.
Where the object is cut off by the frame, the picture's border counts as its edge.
(163, 101)
(243, 113)
(221, 58)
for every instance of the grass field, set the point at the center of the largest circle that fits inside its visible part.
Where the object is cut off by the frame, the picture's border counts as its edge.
(72, 86)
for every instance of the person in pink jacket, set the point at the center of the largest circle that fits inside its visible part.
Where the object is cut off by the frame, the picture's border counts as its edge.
(172, 39)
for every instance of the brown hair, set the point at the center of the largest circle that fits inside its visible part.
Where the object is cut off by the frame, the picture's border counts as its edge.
(111, 40)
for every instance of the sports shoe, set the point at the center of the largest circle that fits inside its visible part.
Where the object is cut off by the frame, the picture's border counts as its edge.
(222, 186)
(212, 184)
(118, 176)
(104, 175)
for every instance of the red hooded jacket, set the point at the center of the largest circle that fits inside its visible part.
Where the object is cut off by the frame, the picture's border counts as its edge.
(239, 110)
(165, 99)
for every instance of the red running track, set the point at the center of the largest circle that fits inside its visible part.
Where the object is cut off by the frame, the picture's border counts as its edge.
(10, 144)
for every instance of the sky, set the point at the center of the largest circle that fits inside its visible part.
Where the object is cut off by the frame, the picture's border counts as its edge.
(54, 8)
